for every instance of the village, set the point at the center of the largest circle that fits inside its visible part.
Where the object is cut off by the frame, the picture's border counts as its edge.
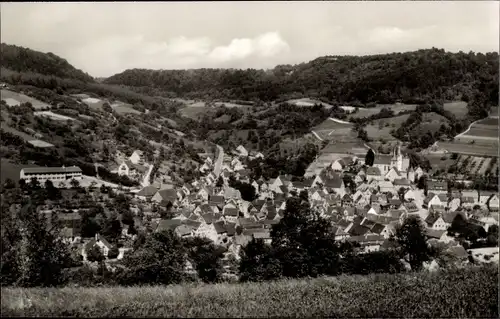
(367, 211)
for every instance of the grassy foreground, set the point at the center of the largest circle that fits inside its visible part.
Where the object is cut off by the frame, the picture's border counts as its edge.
(470, 293)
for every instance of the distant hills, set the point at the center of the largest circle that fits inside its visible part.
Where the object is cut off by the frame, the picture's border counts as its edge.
(25, 60)
(411, 77)
(408, 77)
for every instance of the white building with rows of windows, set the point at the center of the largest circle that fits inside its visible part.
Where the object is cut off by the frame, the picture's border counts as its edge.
(55, 174)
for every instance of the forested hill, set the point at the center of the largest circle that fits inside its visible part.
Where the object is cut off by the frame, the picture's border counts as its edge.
(408, 77)
(26, 60)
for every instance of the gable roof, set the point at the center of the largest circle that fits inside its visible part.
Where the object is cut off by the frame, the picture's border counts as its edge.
(231, 212)
(168, 194)
(374, 171)
(147, 191)
(382, 160)
(432, 218)
(166, 224)
(220, 227)
(437, 185)
(358, 230)
(433, 233)
(401, 182)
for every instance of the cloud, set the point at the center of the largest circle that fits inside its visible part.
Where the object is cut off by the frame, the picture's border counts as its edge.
(113, 54)
(266, 45)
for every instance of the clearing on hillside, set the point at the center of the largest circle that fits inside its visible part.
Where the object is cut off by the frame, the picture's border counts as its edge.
(14, 98)
(458, 108)
(306, 102)
(333, 129)
(365, 112)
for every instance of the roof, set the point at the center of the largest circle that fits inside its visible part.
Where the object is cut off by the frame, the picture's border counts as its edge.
(231, 212)
(358, 230)
(443, 198)
(192, 223)
(373, 171)
(432, 233)
(168, 194)
(395, 213)
(230, 228)
(220, 227)
(166, 224)
(411, 207)
(147, 191)
(183, 230)
(401, 182)
(335, 182)
(437, 185)
(377, 228)
(70, 216)
(217, 199)
(382, 160)
(431, 219)
(209, 218)
(48, 170)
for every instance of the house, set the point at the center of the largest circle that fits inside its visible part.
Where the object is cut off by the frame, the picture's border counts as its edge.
(454, 203)
(136, 157)
(468, 202)
(434, 221)
(369, 242)
(411, 207)
(338, 165)
(54, 174)
(437, 187)
(386, 187)
(184, 231)
(373, 173)
(392, 174)
(146, 193)
(165, 195)
(493, 203)
(98, 241)
(335, 183)
(242, 151)
(409, 195)
(432, 199)
(401, 183)
(419, 172)
(383, 163)
(231, 193)
(207, 230)
(438, 234)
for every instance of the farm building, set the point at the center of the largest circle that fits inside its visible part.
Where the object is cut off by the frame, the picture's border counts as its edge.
(54, 174)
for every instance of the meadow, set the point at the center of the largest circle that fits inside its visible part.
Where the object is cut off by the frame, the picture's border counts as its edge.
(458, 108)
(22, 98)
(365, 112)
(462, 293)
(11, 170)
(333, 130)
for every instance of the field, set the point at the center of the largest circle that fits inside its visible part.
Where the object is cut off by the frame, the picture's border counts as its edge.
(26, 137)
(382, 128)
(53, 116)
(451, 294)
(12, 96)
(470, 149)
(458, 108)
(476, 165)
(481, 138)
(306, 102)
(333, 151)
(332, 129)
(365, 112)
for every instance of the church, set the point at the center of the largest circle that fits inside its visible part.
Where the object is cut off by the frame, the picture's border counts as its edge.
(398, 160)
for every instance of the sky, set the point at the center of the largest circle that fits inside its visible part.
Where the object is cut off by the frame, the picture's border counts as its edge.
(103, 39)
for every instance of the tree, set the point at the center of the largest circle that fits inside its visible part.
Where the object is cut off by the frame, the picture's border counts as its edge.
(220, 182)
(369, 158)
(74, 183)
(94, 254)
(258, 262)
(38, 252)
(159, 260)
(34, 183)
(422, 183)
(410, 237)
(22, 183)
(53, 193)
(9, 184)
(206, 258)
(112, 229)
(107, 108)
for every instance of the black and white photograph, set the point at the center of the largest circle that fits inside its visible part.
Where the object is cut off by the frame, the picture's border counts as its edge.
(231, 159)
